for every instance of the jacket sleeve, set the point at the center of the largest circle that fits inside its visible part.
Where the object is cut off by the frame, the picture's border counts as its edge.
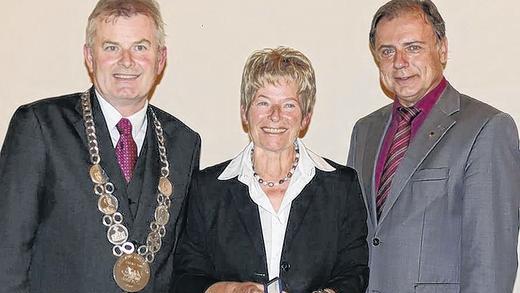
(192, 264)
(491, 192)
(22, 171)
(350, 272)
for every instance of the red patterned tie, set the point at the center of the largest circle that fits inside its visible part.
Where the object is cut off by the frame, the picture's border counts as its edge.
(126, 149)
(395, 154)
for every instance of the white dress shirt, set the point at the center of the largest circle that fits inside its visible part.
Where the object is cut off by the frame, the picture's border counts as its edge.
(274, 223)
(112, 117)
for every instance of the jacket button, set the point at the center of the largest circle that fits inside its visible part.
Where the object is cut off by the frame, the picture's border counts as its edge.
(376, 241)
(285, 266)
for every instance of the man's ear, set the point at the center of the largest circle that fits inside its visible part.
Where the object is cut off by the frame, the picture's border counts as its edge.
(443, 51)
(88, 57)
(161, 62)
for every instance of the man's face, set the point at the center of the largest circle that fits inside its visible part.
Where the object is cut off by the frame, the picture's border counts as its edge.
(409, 56)
(125, 60)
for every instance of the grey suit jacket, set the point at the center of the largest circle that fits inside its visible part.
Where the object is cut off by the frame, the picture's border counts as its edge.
(51, 235)
(450, 222)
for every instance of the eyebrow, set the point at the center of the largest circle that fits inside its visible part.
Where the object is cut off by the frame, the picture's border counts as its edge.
(137, 42)
(404, 44)
(284, 100)
(413, 42)
(143, 41)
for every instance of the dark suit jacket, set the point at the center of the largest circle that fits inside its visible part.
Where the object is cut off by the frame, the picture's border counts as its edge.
(52, 237)
(324, 244)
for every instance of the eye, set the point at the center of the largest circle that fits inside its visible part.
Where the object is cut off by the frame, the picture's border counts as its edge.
(413, 48)
(141, 47)
(290, 105)
(262, 103)
(386, 52)
(110, 48)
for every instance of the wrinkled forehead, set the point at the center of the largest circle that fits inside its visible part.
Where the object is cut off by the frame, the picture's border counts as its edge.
(405, 27)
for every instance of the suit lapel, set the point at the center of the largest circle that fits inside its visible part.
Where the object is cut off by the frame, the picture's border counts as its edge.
(107, 153)
(249, 216)
(79, 124)
(373, 136)
(299, 208)
(427, 137)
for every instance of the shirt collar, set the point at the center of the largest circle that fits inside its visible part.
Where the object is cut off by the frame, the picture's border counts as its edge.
(242, 167)
(112, 116)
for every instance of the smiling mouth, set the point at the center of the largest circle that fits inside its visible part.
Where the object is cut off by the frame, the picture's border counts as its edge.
(404, 78)
(126, 76)
(271, 130)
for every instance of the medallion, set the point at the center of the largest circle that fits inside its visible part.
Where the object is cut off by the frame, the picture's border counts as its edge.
(97, 174)
(117, 234)
(162, 216)
(165, 186)
(107, 204)
(131, 272)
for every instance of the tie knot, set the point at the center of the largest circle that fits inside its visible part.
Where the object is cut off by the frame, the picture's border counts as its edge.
(408, 113)
(124, 126)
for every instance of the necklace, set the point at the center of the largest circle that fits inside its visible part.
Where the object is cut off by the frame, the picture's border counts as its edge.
(283, 180)
(132, 270)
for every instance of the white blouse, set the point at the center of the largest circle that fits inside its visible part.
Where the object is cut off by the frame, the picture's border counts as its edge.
(273, 223)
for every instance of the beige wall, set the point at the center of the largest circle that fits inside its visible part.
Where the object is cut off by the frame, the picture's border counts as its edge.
(209, 41)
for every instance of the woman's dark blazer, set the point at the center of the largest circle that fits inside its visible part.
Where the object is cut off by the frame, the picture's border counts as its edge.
(325, 240)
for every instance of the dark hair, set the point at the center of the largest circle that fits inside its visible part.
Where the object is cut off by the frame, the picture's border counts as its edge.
(394, 8)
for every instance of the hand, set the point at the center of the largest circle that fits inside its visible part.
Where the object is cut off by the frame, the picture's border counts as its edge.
(235, 287)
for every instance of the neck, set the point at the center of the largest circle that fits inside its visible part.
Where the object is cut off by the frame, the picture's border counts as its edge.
(128, 109)
(273, 165)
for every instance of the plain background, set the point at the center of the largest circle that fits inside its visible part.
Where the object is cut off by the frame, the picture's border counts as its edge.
(208, 43)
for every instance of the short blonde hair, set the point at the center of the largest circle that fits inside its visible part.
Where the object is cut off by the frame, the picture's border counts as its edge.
(272, 66)
(107, 10)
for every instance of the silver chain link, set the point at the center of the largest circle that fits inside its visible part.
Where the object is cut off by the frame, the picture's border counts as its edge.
(117, 233)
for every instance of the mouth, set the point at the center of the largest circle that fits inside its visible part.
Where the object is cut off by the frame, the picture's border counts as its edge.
(125, 77)
(272, 130)
(404, 79)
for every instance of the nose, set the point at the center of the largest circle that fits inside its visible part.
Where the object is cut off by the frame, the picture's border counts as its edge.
(400, 60)
(275, 113)
(126, 59)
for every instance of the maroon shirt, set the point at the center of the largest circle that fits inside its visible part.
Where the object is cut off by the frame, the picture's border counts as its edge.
(425, 105)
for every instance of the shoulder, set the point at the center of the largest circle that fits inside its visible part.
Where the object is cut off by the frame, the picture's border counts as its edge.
(477, 114)
(175, 125)
(477, 108)
(68, 101)
(50, 109)
(342, 174)
(210, 174)
(378, 115)
(208, 189)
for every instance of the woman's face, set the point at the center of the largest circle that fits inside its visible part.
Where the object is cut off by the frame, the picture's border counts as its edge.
(274, 119)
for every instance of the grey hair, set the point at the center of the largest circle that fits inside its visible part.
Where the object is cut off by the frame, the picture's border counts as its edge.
(108, 10)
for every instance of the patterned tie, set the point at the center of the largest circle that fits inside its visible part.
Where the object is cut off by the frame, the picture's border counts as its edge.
(126, 149)
(395, 154)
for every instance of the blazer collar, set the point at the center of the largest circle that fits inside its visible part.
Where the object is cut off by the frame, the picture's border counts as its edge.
(249, 216)
(373, 136)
